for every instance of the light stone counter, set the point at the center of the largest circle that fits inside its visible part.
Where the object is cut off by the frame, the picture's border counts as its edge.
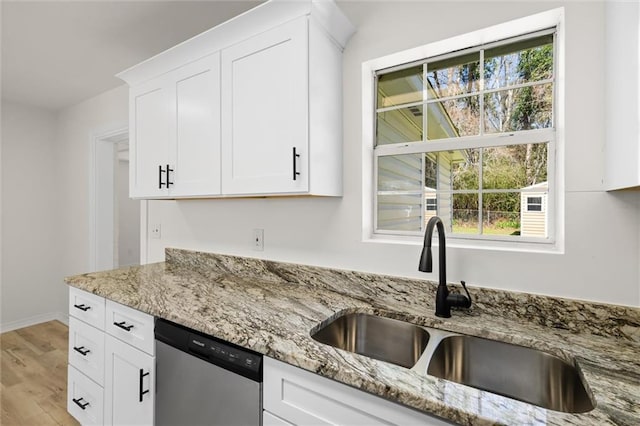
(271, 307)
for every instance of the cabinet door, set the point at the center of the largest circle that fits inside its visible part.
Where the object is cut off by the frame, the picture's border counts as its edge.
(196, 153)
(265, 112)
(129, 384)
(149, 138)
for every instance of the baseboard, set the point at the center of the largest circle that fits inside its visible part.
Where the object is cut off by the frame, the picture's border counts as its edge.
(37, 319)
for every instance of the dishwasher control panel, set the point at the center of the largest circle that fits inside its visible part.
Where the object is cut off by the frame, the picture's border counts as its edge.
(227, 355)
(215, 350)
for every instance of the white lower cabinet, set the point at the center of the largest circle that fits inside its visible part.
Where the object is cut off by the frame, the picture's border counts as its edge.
(293, 396)
(129, 384)
(111, 378)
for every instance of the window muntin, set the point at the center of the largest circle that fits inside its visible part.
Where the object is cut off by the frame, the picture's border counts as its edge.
(472, 177)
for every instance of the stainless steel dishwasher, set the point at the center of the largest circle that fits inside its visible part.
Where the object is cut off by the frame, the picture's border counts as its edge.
(202, 380)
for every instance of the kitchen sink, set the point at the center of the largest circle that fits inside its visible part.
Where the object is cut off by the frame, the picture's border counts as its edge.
(380, 338)
(520, 373)
(505, 369)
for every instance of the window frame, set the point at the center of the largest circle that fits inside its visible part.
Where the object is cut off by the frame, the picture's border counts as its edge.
(536, 25)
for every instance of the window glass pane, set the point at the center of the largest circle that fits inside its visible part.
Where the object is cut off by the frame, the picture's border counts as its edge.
(401, 212)
(465, 168)
(400, 172)
(431, 170)
(453, 76)
(514, 166)
(525, 108)
(453, 118)
(399, 125)
(520, 62)
(400, 87)
(501, 213)
(456, 169)
(465, 214)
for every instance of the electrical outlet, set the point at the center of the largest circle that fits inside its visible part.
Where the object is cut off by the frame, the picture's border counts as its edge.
(156, 231)
(258, 239)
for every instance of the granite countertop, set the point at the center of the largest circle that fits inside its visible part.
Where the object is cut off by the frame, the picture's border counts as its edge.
(271, 307)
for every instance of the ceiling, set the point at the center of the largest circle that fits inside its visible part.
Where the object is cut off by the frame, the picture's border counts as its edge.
(58, 53)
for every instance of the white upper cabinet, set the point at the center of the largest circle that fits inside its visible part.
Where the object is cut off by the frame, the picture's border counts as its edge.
(250, 107)
(264, 111)
(622, 95)
(175, 132)
(197, 118)
(149, 138)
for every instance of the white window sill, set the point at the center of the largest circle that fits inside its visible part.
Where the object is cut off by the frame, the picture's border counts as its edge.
(471, 244)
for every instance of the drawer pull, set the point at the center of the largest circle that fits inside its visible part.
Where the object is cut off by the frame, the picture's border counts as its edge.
(82, 307)
(80, 404)
(122, 325)
(81, 351)
(142, 375)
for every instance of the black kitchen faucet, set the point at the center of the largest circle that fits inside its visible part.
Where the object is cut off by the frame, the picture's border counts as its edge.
(444, 300)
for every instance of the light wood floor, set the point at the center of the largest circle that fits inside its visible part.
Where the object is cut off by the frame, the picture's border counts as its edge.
(33, 376)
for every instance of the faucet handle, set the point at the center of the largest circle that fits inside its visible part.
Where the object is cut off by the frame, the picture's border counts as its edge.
(464, 285)
(460, 300)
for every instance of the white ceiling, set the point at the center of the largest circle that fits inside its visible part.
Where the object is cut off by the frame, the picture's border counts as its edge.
(59, 53)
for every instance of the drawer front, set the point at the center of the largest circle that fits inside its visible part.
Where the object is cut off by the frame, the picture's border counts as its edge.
(84, 398)
(86, 349)
(269, 419)
(303, 398)
(87, 307)
(130, 326)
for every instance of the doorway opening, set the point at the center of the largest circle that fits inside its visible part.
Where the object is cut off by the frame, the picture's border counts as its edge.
(115, 218)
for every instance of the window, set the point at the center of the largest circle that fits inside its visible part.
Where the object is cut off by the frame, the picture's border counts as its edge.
(467, 135)
(534, 204)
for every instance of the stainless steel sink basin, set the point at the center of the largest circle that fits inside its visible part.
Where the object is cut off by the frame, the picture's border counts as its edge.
(381, 338)
(514, 371)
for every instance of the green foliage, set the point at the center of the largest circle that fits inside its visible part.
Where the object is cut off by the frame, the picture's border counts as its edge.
(517, 166)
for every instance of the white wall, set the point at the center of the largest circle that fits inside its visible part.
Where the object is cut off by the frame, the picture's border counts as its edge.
(76, 127)
(31, 286)
(128, 219)
(45, 202)
(601, 256)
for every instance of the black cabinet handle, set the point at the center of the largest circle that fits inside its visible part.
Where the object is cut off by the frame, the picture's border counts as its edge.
(82, 307)
(123, 325)
(81, 351)
(168, 180)
(295, 157)
(142, 375)
(160, 172)
(79, 403)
